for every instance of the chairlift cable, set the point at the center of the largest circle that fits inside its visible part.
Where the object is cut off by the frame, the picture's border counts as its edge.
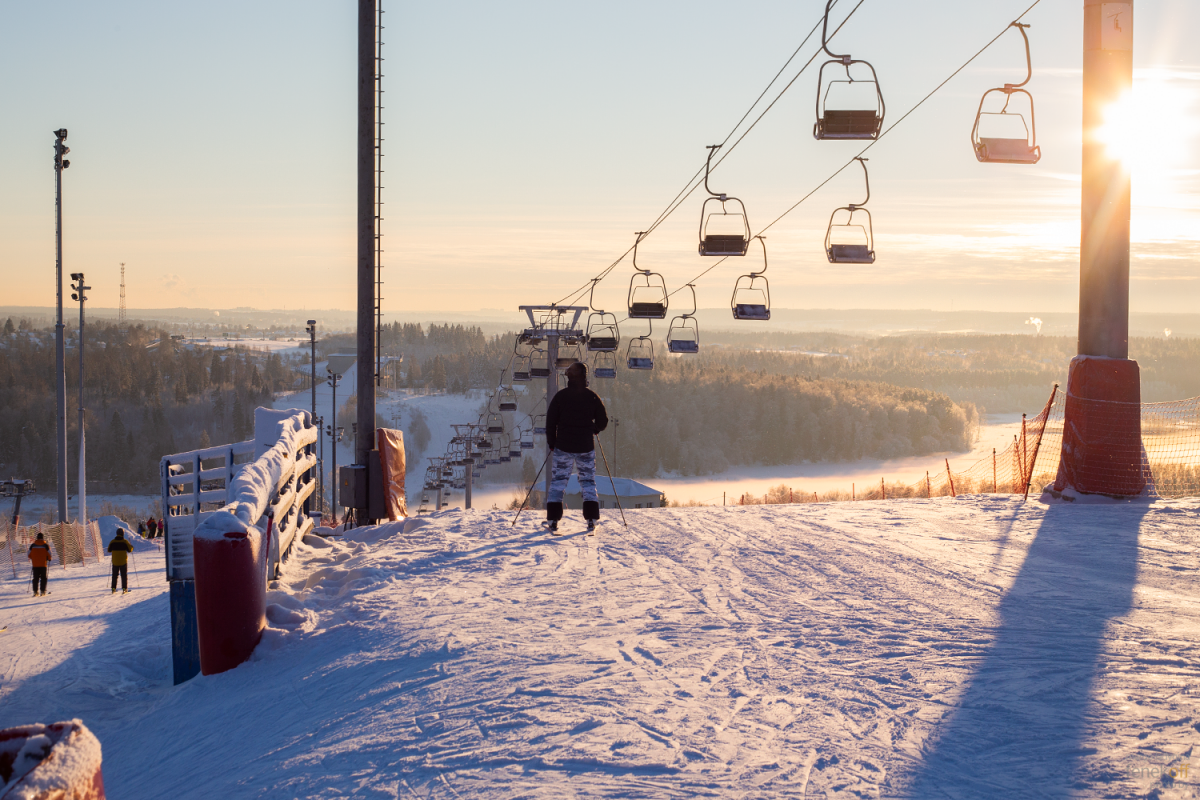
(884, 133)
(693, 184)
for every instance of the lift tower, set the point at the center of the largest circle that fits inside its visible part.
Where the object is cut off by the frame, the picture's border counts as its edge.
(1102, 446)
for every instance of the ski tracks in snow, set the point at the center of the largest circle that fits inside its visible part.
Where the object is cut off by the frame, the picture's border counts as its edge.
(977, 647)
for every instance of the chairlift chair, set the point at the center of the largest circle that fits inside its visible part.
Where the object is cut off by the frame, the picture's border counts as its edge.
(683, 336)
(539, 424)
(640, 354)
(536, 359)
(1002, 146)
(752, 294)
(648, 297)
(851, 116)
(507, 399)
(568, 356)
(603, 335)
(605, 365)
(848, 242)
(724, 232)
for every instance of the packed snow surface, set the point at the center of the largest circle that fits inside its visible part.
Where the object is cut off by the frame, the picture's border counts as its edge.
(972, 648)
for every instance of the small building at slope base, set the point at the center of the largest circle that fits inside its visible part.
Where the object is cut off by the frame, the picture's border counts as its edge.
(632, 493)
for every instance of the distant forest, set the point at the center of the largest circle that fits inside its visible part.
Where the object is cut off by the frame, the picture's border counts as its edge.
(146, 396)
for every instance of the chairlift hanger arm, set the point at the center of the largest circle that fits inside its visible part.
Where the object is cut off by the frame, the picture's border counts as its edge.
(825, 35)
(640, 235)
(712, 148)
(762, 240)
(1009, 87)
(866, 177)
(691, 286)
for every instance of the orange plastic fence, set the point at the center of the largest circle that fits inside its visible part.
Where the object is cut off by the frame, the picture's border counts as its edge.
(70, 543)
(1170, 459)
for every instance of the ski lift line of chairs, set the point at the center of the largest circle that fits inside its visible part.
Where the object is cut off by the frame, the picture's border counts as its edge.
(722, 233)
(640, 354)
(861, 119)
(647, 290)
(683, 336)
(751, 293)
(847, 242)
(1002, 147)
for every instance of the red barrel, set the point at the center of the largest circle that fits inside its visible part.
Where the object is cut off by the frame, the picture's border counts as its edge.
(231, 591)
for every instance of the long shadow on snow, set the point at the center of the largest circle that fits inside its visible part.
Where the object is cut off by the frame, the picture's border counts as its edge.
(1020, 727)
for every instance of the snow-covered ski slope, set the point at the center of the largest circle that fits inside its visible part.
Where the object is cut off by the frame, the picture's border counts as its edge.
(972, 648)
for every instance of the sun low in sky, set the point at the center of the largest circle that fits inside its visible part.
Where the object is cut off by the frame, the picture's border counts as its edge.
(213, 152)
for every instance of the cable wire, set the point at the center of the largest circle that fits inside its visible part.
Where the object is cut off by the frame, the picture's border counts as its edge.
(693, 183)
(888, 130)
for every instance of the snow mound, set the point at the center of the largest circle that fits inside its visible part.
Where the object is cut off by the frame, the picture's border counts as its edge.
(110, 525)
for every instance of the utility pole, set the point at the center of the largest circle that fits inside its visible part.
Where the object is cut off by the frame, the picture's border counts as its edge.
(60, 348)
(1102, 452)
(321, 466)
(364, 439)
(80, 295)
(551, 390)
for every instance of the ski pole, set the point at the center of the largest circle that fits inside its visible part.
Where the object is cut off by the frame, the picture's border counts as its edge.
(613, 482)
(535, 480)
(136, 582)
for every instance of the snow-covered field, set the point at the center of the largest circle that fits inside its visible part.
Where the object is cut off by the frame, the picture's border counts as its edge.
(970, 648)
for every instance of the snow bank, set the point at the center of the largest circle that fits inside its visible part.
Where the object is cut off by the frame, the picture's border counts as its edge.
(108, 531)
(62, 759)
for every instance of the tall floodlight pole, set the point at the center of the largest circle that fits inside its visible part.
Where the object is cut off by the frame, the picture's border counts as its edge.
(1102, 447)
(60, 348)
(551, 390)
(364, 439)
(80, 295)
(312, 364)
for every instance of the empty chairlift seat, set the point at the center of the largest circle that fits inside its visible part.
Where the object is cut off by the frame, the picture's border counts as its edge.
(723, 232)
(605, 366)
(851, 107)
(640, 354)
(1003, 137)
(752, 294)
(851, 239)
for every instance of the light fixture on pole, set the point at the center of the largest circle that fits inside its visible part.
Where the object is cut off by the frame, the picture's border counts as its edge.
(60, 348)
(80, 295)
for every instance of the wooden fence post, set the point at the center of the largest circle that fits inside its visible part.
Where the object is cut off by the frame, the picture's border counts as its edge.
(994, 489)
(950, 475)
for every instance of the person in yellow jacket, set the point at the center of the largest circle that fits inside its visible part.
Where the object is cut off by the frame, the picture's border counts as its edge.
(39, 554)
(120, 548)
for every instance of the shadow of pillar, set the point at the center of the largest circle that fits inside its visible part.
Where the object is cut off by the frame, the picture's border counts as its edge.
(1021, 724)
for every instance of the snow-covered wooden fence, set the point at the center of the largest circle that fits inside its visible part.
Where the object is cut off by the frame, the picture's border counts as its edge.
(264, 481)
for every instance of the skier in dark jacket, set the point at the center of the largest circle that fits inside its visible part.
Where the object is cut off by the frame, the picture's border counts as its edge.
(120, 547)
(575, 415)
(39, 554)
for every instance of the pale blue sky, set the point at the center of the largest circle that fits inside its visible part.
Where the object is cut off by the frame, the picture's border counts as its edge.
(213, 151)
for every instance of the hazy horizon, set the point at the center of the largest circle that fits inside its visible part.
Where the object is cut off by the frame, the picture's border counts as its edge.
(527, 143)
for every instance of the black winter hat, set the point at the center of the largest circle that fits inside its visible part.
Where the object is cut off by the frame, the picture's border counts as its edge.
(120, 534)
(40, 537)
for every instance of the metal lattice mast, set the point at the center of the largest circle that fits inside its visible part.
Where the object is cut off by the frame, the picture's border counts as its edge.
(379, 197)
(121, 309)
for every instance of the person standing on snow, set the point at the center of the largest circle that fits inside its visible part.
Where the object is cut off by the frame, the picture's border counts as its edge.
(120, 548)
(151, 527)
(39, 554)
(575, 415)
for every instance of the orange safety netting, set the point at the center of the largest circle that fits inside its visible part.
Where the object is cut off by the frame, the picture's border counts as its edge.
(1169, 454)
(70, 543)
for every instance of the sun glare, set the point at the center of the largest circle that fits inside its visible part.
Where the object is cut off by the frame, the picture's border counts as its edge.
(1151, 128)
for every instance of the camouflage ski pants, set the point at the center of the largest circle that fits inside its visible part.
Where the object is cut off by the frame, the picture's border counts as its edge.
(560, 472)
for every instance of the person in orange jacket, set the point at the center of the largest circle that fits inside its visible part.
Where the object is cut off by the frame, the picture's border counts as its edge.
(120, 548)
(39, 554)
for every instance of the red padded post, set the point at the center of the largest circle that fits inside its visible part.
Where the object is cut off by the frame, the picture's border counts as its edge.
(1102, 429)
(231, 591)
